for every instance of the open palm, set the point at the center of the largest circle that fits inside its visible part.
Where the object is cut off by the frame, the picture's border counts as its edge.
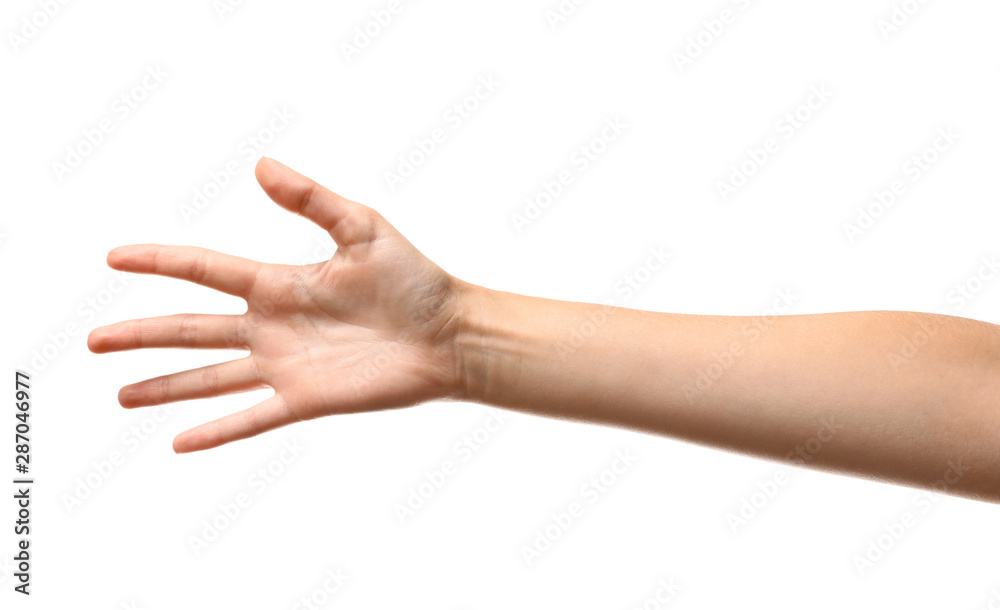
(374, 327)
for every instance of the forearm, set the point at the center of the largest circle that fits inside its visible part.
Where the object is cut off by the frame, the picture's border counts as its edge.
(841, 384)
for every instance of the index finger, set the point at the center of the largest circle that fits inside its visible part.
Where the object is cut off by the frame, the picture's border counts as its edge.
(230, 274)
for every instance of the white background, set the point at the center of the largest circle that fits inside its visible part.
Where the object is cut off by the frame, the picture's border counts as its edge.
(667, 518)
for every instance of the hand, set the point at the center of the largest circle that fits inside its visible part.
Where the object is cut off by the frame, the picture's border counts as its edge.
(374, 327)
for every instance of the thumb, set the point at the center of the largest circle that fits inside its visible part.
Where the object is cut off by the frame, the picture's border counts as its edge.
(346, 221)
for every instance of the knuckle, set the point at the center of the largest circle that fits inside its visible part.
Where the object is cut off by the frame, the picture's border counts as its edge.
(306, 197)
(163, 388)
(251, 423)
(135, 330)
(241, 331)
(188, 331)
(255, 373)
(361, 225)
(210, 379)
(199, 266)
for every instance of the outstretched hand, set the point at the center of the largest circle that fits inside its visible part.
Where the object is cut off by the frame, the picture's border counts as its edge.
(374, 327)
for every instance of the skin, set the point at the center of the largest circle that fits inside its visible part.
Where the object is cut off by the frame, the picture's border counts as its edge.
(380, 326)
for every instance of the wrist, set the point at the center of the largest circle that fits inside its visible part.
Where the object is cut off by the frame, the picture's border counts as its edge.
(486, 345)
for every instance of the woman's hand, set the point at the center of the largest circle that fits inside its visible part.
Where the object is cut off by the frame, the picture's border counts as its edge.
(380, 326)
(374, 327)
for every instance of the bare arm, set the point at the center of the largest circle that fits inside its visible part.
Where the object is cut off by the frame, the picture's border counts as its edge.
(843, 392)
(380, 326)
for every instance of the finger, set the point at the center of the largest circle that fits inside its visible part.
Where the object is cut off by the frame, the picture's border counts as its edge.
(194, 331)
(230, 274)
(268, 415)
(215, 380)
(347, 222)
